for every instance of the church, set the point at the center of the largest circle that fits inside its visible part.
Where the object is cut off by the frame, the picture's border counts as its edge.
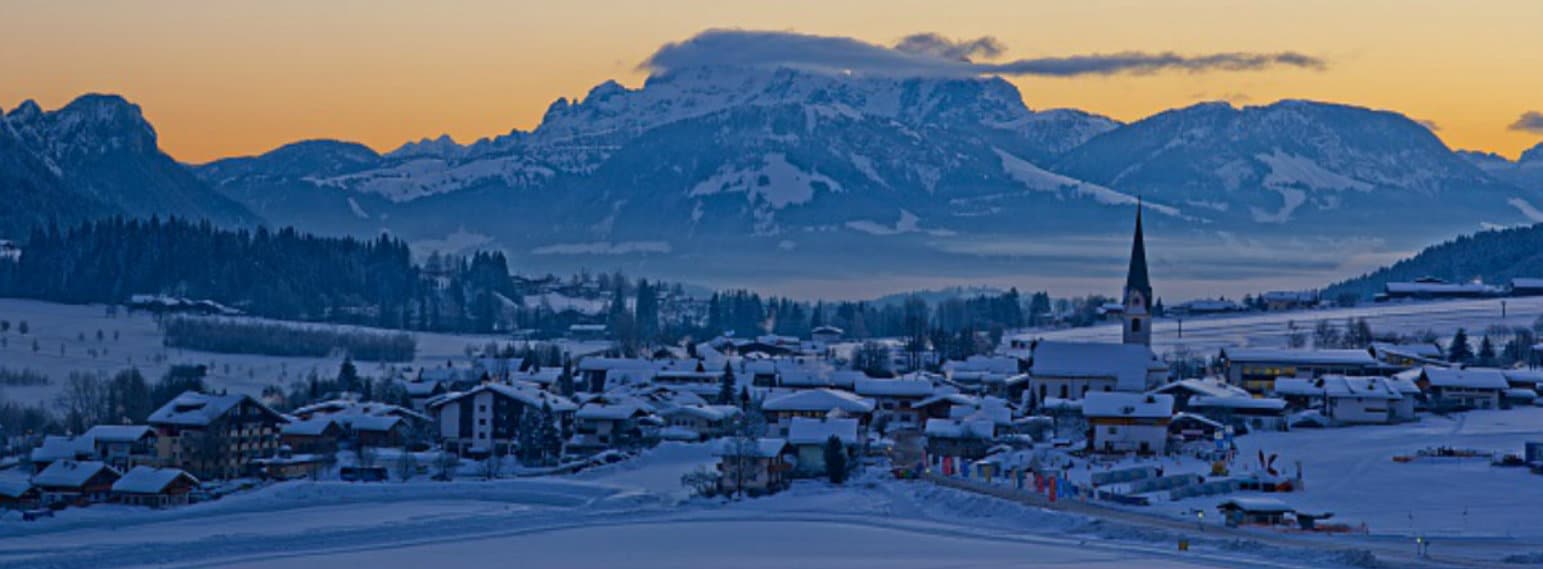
(1070, 370)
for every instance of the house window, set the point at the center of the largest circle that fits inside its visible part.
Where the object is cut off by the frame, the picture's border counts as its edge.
(1135, 324)
(1113, 430)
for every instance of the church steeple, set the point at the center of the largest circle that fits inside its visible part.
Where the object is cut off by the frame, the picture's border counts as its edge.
(1136, 276)
(1138, 291)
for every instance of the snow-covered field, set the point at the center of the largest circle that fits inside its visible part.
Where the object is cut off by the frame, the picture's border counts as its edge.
(1205, 335)
(139, 344)
(623, 516)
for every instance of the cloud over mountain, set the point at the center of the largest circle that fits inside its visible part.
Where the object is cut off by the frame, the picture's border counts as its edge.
(1530, 121)
(932, 55)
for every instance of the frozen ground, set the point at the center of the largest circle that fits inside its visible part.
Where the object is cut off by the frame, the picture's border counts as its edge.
(601, 520)
(1205, 335)
(139, 344)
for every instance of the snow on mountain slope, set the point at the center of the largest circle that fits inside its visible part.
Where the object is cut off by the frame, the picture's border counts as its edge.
(775, 182)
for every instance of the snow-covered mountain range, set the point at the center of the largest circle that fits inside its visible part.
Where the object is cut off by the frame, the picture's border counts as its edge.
(96, 156)
(828, 175)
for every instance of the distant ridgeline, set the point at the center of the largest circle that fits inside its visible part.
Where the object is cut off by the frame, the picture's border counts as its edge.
(279, 274)
(1494, 257)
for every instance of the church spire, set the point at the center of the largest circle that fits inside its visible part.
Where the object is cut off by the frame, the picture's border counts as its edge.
(1136, 277)
(1138, 291)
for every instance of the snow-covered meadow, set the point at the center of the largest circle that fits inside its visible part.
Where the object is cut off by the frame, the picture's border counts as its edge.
(627, 515)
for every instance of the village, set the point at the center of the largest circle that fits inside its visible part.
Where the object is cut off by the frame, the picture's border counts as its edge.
(1034, 420)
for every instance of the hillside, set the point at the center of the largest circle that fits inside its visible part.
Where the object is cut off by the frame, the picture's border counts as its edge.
(1491, 256)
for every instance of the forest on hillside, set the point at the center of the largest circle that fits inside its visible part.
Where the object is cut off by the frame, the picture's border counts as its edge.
(1494, 257)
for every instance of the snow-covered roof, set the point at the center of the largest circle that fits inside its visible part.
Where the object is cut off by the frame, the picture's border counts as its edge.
(1265, 403)
(57, 447)
(311, 428)
(1213, 387)
(1440, 288)
(708, 412)
(982, 363)
(607, 364)
(760, 448)
(1300, 357)
(827, 329)
(148, 480)
(70, 473)
(1468, 378)
(1127, 364)
(1135, 405)
(1339, 386)
(117, 433)
(1524, 377)
(14, 488)
(808, 431)
(894, 387)
(1298, 386)
(1525, 282)
(371, 423)
(1419, 350)
(960, 428)
(528, 396)
(819, 400)
(1197, 418)
(1521, 393)
(611, 412)
(194, 409)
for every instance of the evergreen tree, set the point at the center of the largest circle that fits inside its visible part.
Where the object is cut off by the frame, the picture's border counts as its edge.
(1459, 351)
(348, 375)
(1486, 356)
(551, 439)
(565, 380)
(835, 460)
(726, 386)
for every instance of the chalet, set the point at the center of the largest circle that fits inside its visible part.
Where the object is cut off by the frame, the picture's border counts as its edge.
(75, 483)
(154, 487)
(1070, 370)
(1248, 413)
(319, 435)
(55, 448)
(813, 403)
(123, 446)
(485, 420)
(1277, 300)
(826, 334)
(969, 438)
(1433, 288)
(215, 436)
(895, 401)
(1128, 422)
(1189, 427)
(1002, 376)
(1205, 306)
(697, 422)
(1526, 287)
(808, 438)
(1185, 389)
(755, 466)
(605, 422)
(694, 376)
(1256, 369)
(1408, 355)
(18, 494)
(1254, 511)
(1458, 389)
(420, 392)
(599, 374)
(1361, 400)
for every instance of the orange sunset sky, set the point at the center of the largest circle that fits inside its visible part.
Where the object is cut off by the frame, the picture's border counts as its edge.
(221, 78)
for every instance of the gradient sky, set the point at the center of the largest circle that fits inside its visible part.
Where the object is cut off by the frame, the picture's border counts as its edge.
(221, 78)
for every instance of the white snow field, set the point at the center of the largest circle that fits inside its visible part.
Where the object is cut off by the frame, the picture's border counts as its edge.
(1204, 335)
(601, 520)
(139, 344)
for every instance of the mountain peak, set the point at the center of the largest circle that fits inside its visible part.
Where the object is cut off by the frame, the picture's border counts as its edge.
(28, 111)
(1534, 154)
(442, 147)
